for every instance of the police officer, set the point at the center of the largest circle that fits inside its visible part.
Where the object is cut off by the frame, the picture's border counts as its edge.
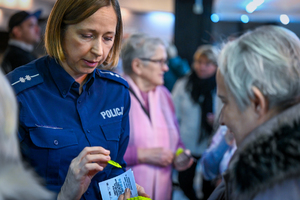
(74, 117)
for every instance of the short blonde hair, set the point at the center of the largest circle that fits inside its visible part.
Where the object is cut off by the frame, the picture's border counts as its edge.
(68, 12)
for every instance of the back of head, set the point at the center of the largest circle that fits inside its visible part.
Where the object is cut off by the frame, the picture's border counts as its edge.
(266, 58)
(209, 51)
(172, 51)
(70, 12)
(138, 46)
(16, 182)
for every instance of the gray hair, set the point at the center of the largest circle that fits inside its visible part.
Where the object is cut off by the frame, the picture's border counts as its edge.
(138, 46)
(267, 58)
(16, 182)
(209, 51)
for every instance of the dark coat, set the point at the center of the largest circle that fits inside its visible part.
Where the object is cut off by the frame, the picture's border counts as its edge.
(266, 164)
(15, 57)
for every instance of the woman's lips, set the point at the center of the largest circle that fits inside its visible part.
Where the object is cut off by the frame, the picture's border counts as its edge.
(91, 63)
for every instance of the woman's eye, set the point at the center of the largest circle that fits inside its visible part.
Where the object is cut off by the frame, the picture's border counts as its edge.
(86, 36)
(108, 38)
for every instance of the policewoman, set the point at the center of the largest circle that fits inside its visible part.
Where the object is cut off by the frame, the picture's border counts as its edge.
(74, 117)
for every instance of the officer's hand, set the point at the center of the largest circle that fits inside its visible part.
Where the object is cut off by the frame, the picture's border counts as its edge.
(156, 156)
(126, 195)
(183, 161)
(82, 169)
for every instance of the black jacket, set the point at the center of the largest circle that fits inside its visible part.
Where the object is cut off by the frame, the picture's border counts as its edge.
(15, 57)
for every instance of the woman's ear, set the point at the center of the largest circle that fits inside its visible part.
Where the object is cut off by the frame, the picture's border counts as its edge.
(136, 66)
(260, 103)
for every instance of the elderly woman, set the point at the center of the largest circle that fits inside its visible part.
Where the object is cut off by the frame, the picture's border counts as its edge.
(195, 103)
(154, 134)
(259, 83)
(73, 117)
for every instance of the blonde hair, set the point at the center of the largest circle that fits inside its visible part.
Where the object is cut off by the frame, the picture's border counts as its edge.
(68, 12)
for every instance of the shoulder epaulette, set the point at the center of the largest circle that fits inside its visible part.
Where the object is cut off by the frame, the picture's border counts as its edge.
(24, 77)
(112, 76)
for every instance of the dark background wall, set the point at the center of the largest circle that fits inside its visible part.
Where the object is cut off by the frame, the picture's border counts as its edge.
(191, 30)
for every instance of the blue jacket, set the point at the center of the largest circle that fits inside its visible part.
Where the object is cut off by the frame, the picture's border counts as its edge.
(56, 123)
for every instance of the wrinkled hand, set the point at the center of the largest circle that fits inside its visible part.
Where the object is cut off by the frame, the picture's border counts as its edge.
(82, 169)
(126, 195)
(156, 156)
(183, 161)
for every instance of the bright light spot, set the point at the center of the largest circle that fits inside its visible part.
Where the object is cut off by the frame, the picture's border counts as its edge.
(215, 18)
(9, 3)
(245, 19)
(258, 2)
(284, 19)
(25, 4)
(252, 6)
(161, 17)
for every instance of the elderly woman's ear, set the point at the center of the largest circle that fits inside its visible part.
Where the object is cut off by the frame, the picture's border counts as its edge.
(136, 66)
(260, 103)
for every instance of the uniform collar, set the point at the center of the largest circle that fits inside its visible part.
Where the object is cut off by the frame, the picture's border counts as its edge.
(63, 80)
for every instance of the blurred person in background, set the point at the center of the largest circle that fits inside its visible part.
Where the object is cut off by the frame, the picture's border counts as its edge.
(215, 159)
(258, 82)
(24, 33)
(74, 118)
(17, 181)
(178, 67)
(195, 103)
(154, 133)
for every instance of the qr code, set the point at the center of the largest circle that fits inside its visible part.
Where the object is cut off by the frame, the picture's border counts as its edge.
(127, 183)
(117, 187)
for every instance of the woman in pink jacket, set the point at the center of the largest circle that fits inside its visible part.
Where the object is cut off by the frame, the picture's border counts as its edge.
(154, 133)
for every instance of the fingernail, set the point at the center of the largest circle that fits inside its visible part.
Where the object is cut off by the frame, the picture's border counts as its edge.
(127, 190)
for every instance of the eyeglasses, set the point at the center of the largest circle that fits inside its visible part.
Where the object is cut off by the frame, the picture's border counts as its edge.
(161, 61)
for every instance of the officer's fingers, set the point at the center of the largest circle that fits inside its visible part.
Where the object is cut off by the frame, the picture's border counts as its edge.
(127, 193)
(121, 197)
(94, 150)
(90, 169)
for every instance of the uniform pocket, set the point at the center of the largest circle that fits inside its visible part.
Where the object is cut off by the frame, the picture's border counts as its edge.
(53, 138)
(112, 133)
(52, 152)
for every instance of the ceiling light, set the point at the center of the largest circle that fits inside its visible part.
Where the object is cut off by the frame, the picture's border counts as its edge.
(284, 19)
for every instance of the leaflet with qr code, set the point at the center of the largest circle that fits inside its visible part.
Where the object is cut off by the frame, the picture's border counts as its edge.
(112, 188)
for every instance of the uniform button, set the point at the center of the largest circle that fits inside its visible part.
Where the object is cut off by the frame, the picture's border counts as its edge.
(65, 92)
(55, 142)
(87, 192)
(79, 102)
(88, 131)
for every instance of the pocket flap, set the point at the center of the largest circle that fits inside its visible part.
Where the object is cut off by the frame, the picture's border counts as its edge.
(53, 138)
(112, 131)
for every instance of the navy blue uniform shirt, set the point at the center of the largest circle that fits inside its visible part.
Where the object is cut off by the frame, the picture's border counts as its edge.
(56, 123)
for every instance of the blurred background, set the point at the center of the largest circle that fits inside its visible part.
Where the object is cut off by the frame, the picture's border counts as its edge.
(187, 23)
